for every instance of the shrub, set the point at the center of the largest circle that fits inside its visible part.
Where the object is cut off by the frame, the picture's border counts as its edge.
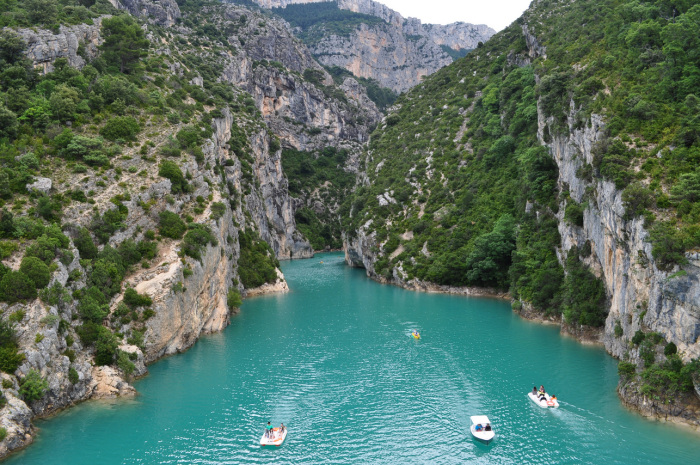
(256, 265)
(618, 329)
(196, 239)
(638, 337)
(626, 369)
(83, 242)
(111, 221)
(124, 363)
(171, 225)
(120, 127)
(574, 213)
(15, 286)
(3, 431)
(233, 299)
(636, 199)
(217, 210)
(73, 375)
(189, 136)
(7, 248)
(583, 294)
(172, 172)
(134, 299)
(36, 270)
(668, 246)
(106, 346)
(33, 386)
(10, 358)
(670, 349)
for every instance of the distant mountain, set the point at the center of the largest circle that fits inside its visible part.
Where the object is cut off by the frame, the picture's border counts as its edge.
(375, 42)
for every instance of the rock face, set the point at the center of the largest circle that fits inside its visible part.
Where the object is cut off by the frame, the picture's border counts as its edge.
(381, 52)
(397, 53)
(286, 100)
(74, 43)
(162, 12)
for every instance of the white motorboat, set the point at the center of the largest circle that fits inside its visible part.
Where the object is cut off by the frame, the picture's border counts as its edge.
(481, 428)
(276, 438)
(544, 400)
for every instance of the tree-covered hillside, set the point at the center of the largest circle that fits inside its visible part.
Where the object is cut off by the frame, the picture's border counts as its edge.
(461, 191)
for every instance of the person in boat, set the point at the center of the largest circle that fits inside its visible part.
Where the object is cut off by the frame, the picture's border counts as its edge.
(542, 393)
(268, 430)
(534, 391)
(282, 428)
(487, 427)
(478, 427)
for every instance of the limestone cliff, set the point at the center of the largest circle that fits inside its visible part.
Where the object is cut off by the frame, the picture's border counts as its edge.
(397, 52)
(74, 43)
(162, 12)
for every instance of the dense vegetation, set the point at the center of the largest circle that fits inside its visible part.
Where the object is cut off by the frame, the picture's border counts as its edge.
(383, 97)
(638, 64)
(461, 192)
(321, 179)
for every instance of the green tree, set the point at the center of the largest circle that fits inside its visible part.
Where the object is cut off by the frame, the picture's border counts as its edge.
(12, 47)
(83, 242)
(106, 346)
(8, 123)
(33, 386)
(36, 270)
(121, 127)
(687, 187)
(171, 171)
(64, 102)
(124, 43)
(171, 225)
(16, 286)
(488, 262)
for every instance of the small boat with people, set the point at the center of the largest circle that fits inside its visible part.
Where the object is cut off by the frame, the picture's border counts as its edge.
(541, 398)
(415, 334)
(273, 436)
(481, 428)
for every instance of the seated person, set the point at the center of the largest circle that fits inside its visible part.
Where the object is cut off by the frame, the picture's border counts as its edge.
(478, 427)
(487, 427)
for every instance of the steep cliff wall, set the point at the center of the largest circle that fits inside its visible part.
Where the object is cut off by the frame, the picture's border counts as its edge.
(162, 12)
(44, 47)
(397, 53)
(383, 53)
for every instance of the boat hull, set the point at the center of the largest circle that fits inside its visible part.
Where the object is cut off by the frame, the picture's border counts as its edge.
(483, 436)
(276, 440)
(548, 403)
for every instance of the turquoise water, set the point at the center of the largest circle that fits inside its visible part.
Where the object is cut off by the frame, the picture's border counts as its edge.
(335, 361)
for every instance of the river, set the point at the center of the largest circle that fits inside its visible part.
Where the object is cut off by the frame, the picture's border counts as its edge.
(334, 360)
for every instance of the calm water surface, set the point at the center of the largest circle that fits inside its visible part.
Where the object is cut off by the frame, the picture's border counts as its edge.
(335, 361)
